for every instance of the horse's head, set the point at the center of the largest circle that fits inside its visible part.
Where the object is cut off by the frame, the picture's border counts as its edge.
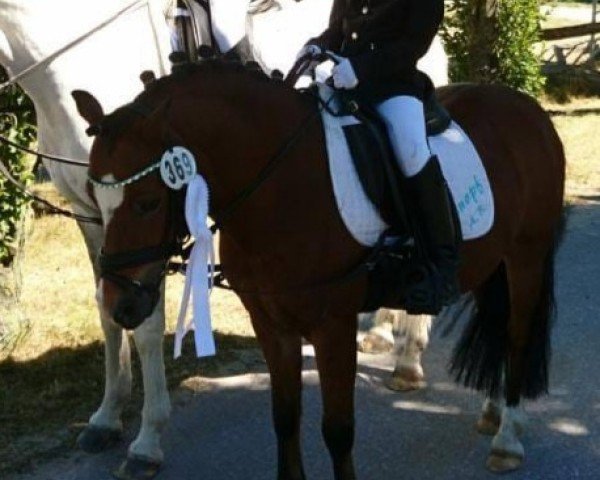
(142, 217)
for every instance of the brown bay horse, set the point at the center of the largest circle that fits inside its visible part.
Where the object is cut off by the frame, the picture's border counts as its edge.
(282, 245)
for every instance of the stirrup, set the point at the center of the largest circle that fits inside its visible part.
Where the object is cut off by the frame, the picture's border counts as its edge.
(429, 294)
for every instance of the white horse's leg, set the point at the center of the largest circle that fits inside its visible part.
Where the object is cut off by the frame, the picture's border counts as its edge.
(105, 425)
(379, 337)
(491, 416)
(507, 450)
(145, 453)
(411, 334)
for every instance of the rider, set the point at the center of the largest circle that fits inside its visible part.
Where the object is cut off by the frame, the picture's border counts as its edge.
(222, 24)
(379, 43)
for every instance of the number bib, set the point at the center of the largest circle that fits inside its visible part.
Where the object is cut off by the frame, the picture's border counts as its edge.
(177, 167)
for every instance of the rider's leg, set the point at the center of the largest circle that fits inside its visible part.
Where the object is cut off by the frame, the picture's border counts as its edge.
(228, 22)
(405, 120)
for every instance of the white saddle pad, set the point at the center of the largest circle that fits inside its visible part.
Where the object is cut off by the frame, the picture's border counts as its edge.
(460, 164)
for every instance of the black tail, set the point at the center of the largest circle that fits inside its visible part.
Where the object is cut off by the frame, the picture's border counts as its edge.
(479, 357)
(535, 381)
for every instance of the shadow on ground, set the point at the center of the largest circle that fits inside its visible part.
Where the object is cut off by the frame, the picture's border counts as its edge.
(45, 401)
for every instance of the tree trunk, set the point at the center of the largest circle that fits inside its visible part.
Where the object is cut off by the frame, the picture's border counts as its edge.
(483, 36)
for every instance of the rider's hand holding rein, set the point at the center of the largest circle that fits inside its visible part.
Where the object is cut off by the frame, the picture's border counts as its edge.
(309, 50)
(343, 74)
(312, 52)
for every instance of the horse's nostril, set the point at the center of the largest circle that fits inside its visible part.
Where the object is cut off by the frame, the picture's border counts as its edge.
(124, 314)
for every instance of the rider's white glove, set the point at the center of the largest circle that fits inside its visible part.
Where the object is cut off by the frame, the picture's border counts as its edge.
(343, 75)
(310, 49)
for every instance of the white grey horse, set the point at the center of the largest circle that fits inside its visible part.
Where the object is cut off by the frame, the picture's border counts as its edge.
(52, 48)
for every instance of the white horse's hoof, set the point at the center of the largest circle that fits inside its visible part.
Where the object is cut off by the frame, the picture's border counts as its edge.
(137, 468)
(405, 380)
(503, 462)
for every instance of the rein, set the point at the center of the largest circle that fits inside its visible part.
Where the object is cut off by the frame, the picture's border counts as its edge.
(56, 158)
(117, 261)
(53, 56)
(263, 175)
(52, 208)
(52, 158)
(110, 263)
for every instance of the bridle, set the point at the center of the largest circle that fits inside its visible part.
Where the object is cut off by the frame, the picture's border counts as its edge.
(146, 293)
(176, 237)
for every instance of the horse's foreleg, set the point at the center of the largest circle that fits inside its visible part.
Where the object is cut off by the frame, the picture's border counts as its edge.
(283, 353)
(335, 350)
(105, 426)
(411, 336)
(145, 454)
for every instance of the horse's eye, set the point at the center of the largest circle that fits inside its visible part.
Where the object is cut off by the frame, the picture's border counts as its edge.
(146, 206)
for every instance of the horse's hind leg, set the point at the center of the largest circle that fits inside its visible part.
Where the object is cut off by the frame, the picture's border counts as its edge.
(378, 330)
(335, 350)
(530, 280)
(411, 336)
(283, 353)
(491, 416)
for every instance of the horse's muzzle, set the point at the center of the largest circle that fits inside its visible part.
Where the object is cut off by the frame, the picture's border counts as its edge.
(136, 301)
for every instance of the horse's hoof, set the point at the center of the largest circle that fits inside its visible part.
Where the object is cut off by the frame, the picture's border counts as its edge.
(405, 380)
(488, 424)
(136, 468)
(375, 343)
(95, 439)
(503, 462)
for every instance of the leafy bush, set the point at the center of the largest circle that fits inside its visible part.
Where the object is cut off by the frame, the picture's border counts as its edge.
(491, 41)
(17, 119)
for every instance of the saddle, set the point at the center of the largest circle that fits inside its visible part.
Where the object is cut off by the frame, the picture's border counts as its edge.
(399, 262)
(373, 156)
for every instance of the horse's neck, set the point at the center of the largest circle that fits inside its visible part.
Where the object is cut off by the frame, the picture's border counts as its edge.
(238, 135)
(107, 62)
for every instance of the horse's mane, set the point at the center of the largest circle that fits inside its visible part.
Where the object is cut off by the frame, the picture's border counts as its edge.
(113, 124)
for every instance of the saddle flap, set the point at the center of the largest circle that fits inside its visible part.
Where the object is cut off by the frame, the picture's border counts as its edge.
(362, 187)
(368, 156)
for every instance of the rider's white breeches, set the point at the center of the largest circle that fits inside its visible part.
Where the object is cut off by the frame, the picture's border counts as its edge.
(404, 118)
(229, 22)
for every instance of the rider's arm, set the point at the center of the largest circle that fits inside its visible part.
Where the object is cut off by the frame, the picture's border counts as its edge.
(400, 56)
(332, 38)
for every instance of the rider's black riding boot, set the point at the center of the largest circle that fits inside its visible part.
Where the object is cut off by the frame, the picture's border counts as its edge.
(439, 229)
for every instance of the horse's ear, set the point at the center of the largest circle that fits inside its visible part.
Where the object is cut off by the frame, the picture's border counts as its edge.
(88, 107)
